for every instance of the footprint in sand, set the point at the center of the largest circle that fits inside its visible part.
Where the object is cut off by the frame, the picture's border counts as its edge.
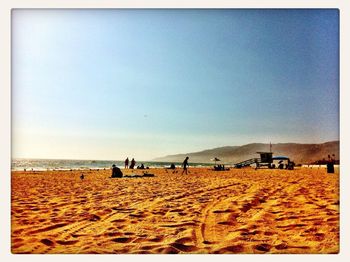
(332, 219)
(68, 242)
(94, 218)
(47, 242)
(167, 250)
(223, 211)
(122, 239)
(184, 240)
(319, 236)
(141, 252)
(246, 207)
(226, 223)
(230, 249)
(281, 246)
(184, 248)
(47, 228)
(118, 220)
(281, 218)
(263, 247)
(157, 239)
(113, 234)
(137, 215)
(176, 210)
(149, 247)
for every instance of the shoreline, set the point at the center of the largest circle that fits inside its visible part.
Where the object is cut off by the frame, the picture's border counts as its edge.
(210, 166)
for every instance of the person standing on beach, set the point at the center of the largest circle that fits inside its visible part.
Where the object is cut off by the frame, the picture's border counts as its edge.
(126, 163)
(132, 164)
(185, 165)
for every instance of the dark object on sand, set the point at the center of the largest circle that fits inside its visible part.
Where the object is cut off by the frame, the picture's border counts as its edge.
(148, 175)
(290, 165)
(141, 167)
(116, 172)
(330, 164)
(82, 176)
(220, 168)
(132, 164)
(172, 166)
(330, 168)
(138, 176)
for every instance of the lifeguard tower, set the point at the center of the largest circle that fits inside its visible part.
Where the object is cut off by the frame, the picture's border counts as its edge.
(267, 160)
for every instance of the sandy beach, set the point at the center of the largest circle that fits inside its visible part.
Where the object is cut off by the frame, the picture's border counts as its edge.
(236, 211)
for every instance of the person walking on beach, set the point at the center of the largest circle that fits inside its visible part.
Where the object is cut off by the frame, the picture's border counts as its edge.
(126, 163)
(185, 165)
(132, 164)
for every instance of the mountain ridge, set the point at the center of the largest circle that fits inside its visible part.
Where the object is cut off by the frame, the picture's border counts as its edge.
(298, 152)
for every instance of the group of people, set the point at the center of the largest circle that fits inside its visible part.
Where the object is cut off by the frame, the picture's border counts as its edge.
(132, 163)
(116, 172)
(220, 168)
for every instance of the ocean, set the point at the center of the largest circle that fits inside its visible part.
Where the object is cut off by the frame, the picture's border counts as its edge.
(65, 164)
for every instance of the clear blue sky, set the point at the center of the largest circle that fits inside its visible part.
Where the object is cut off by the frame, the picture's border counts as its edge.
(106, 84)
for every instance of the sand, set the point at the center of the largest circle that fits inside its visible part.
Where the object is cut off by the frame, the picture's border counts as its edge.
(236, 211)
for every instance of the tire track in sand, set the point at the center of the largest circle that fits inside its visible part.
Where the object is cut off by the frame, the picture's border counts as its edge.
(94, 225)
(225, 216)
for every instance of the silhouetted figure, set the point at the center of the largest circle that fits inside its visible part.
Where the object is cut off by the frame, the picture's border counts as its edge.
(126, 163)
(185, 165)
(330, 165)
(172, 166)
(290, 165)
(82, 176)
(132, 164)
(220, 168)
(141, 167)
(116, 172)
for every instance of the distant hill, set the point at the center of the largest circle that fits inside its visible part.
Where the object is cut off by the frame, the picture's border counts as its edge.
(299, 153)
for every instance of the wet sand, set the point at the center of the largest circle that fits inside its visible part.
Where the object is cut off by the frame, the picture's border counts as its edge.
(236, 211)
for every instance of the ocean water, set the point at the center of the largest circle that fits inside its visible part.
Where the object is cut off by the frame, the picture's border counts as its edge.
(64, 164)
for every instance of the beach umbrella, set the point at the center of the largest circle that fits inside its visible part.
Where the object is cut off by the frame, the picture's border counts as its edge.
(215, 159)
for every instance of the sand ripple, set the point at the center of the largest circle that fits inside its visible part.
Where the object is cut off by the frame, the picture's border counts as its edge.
(239, 211)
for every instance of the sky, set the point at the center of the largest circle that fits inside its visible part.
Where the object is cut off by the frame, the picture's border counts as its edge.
(109, 83)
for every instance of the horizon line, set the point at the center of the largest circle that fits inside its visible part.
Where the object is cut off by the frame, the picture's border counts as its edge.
(152, 160)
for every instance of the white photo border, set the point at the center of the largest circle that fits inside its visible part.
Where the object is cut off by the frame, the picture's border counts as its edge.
(5, 116)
